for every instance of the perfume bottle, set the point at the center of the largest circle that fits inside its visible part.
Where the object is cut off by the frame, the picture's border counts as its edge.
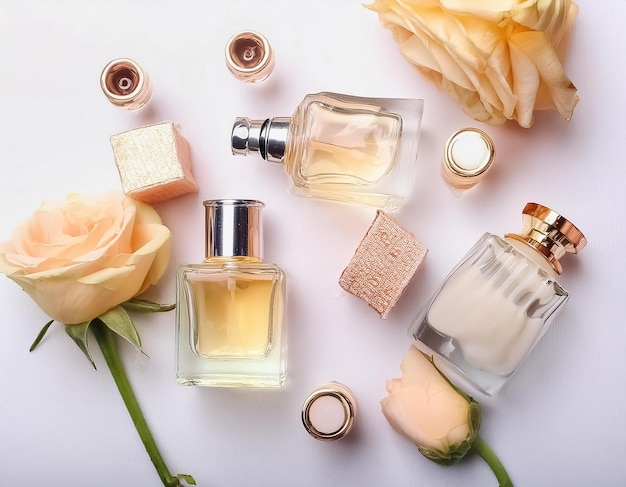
(499, 300)
(342, 148)
(230, 307)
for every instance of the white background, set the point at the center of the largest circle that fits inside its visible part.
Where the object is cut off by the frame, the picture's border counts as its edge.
(558, 422)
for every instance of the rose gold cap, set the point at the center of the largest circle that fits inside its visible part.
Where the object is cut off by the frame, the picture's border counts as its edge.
(468, 154)
(249, 57)
(125, 84)
(329, 412)
(549, 233)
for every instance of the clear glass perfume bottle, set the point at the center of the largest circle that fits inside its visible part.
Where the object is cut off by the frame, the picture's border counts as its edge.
(341, 147)
(230, 308)
(499, 300)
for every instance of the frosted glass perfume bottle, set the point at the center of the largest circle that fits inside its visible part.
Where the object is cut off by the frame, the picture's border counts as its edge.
(230, 308)
(341, 147)
(499, 300)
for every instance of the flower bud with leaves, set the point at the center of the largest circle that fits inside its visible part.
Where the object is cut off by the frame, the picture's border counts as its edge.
(441, 419)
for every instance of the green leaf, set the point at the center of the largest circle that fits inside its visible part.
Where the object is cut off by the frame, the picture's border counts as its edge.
(118, 321)
(145, 306)
(40, 335)
(186, 477)
(78, 333)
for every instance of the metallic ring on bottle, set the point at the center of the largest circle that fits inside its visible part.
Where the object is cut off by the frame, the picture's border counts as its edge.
(329, 412)
(467, 156)
(249, 57)
(125, 84)
(549, 233)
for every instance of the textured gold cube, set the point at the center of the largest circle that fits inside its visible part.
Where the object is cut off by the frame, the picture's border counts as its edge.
(383, 264)
(154, 162)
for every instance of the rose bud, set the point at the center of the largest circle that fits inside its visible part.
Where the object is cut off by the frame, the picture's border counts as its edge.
(442, 420)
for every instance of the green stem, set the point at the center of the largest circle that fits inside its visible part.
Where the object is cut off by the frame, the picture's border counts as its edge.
(107, 343)
(488, 455)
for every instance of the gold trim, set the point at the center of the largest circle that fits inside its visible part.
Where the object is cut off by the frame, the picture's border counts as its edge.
(345, 397)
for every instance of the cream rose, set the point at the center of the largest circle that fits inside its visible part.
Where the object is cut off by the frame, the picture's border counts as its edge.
(427, 409)
(79, 258)
(498, 58)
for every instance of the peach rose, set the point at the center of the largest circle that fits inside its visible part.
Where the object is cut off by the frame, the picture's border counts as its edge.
(79, 258)
(427, 409)
(498, 58)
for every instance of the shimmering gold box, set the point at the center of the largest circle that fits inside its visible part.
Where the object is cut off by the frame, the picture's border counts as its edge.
(383, 264)
(154, 162)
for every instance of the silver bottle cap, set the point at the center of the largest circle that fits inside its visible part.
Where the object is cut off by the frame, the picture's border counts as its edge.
(267, 137)
(233, 228)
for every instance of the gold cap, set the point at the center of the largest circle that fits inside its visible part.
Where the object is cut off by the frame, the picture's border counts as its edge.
(249, 57)
(125, 84)
(467, 156)
(329, 412)
(549, 233)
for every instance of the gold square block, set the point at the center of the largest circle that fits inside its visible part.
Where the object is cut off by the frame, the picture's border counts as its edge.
(383, 264)
(154, 162)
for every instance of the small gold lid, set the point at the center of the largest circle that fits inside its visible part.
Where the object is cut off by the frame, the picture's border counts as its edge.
(549, 233)
(329, 412)
(467, 155)
(125, 84)
(249, 56)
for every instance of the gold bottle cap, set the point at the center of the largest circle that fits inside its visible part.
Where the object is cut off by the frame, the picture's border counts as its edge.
(549, 233)
(467, 156)
(329, 412)
(125, 84)
(249, 57)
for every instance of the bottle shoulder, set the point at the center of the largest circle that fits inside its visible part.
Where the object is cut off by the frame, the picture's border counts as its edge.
(493, 247)
(230, 267)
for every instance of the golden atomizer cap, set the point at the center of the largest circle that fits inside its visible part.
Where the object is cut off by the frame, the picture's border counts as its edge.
(249, 56)
(468, 154)
(549, 233)
(329, 412)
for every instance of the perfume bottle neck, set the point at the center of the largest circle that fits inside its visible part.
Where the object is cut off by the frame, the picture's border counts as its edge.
(267, 137)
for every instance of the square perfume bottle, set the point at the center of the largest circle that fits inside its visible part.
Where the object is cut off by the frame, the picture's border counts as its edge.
(230, 308)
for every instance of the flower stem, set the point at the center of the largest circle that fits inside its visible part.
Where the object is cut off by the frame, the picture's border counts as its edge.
(488, 455)
(106, 341)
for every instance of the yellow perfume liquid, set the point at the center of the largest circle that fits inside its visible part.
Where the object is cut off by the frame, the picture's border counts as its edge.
(347, 146)
(234, 313)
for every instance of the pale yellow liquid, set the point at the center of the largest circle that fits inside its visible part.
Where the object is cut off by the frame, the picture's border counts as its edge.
(233, 315)
(345, 146)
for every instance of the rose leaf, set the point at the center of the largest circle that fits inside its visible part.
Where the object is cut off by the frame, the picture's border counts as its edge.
(78, 333)
(118, 321)
(145, 306)
(40, 336)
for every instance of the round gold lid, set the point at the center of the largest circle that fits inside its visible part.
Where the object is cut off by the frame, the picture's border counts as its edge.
(249, 57)
(329, 412)
(549, 233)
(467, 155)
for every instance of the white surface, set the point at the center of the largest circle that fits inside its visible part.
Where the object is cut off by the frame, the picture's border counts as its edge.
(558, 422)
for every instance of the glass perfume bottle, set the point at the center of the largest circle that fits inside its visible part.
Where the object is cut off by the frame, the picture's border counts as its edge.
(499, 300)
(230, 307)
(341, 147)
